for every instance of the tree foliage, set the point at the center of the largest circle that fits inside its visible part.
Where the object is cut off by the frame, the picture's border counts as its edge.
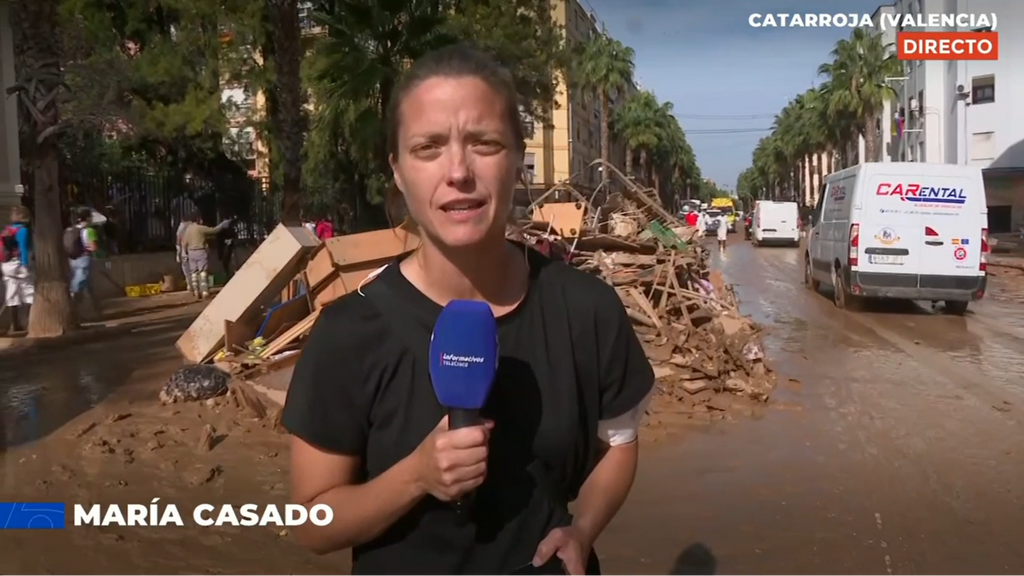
(147, 81)
(826, 122)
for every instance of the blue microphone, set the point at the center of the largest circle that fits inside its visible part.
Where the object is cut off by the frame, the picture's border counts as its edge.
(463, 361)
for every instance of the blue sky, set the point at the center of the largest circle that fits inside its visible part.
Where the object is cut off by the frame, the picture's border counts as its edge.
(718, 71)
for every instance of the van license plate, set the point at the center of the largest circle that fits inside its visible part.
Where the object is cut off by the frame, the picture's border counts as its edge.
(885, 259)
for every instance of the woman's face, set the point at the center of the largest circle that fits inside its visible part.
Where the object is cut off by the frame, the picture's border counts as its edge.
(457, 160)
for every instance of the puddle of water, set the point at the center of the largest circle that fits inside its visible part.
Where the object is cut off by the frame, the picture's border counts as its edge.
(42, 392)
(34, 402)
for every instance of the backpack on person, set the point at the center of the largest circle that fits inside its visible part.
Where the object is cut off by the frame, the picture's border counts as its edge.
(73, 244)
(9, 243)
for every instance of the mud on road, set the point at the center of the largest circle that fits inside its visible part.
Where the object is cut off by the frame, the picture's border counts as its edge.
(893, 445)
(900, 448)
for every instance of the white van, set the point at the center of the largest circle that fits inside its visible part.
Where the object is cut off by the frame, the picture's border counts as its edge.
(776, 223)
(904, 230)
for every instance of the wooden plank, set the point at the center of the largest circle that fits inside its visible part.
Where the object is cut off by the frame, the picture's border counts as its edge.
(290, 312)
(355, 249)
(262, 278)
(566, 218)
(291, 336)
(236, 334)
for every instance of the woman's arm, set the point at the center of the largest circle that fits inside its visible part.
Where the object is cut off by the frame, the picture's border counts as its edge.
(361, 511)
(626, 386)
(605, 490)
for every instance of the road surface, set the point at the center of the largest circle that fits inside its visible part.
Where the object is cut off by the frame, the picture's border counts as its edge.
(895, 444)
(904, 452)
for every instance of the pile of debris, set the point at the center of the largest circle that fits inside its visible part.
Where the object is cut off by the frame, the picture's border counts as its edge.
(255, 326)
(686, 317)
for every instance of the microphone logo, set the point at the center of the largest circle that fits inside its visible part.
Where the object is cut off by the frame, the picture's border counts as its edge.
(456, 361)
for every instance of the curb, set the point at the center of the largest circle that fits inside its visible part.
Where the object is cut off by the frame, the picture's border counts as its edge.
(10, 346)
(96, 333)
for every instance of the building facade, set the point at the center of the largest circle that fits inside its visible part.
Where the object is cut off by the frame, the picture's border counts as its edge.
(966, 112)
(571, 140)
(242, 105)
(10, 159)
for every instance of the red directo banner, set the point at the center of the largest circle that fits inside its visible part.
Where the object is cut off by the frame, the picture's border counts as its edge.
(947, 45)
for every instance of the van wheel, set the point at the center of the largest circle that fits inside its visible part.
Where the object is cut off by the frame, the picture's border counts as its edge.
(809, 280)
(956, 307)
(840, 295)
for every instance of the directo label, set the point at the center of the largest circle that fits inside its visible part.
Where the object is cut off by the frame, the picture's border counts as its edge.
(947, 45)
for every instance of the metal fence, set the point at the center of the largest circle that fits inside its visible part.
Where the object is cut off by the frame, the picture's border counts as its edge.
(144, 207)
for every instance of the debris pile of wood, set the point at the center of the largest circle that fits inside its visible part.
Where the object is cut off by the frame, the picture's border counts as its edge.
(259, 320)
(685, 315)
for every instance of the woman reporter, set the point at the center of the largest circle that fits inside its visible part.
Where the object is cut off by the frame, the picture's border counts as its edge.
(369, 437)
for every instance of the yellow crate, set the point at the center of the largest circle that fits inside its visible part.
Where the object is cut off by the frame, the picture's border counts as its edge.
(143, 290)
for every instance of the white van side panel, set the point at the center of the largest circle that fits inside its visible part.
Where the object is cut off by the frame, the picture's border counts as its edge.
(835, 219)
(922, 224)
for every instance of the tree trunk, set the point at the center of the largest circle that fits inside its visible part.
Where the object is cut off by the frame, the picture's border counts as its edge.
(643, 166)
(288, 117)
(37, 53)
(605, 141)
(871, 139)
(629, 161)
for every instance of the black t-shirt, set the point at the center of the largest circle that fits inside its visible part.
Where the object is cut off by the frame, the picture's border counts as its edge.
(569, 358)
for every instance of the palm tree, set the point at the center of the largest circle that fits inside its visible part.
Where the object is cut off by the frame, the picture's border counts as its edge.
(352, 73)
(603, 67)
(677, 161)
(639, 123)
(288, 99)
(37, 53)
(825, 122)
(856, 86)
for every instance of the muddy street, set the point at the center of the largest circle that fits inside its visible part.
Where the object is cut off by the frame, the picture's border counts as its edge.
(893, 445)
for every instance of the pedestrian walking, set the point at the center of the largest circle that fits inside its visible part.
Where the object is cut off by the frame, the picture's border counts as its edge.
(369, 436)
(702, 224)
(194, 239)
(227, 240)
(81, 242)
(723, 230)
(181, 254)
(15, 266)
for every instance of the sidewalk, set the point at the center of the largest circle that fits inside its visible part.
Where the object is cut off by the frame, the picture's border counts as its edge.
(120, 316)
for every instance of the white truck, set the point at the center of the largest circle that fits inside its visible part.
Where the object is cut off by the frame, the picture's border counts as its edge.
(903, 230)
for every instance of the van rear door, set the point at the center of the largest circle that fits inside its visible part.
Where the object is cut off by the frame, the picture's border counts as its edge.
(892, 231)
(948, 213)
(953, 222)
(779, 219)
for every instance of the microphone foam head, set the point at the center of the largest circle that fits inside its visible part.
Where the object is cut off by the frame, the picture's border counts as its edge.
(464, 354)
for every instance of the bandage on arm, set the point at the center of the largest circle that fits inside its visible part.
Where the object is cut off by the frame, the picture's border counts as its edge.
(623, 429)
